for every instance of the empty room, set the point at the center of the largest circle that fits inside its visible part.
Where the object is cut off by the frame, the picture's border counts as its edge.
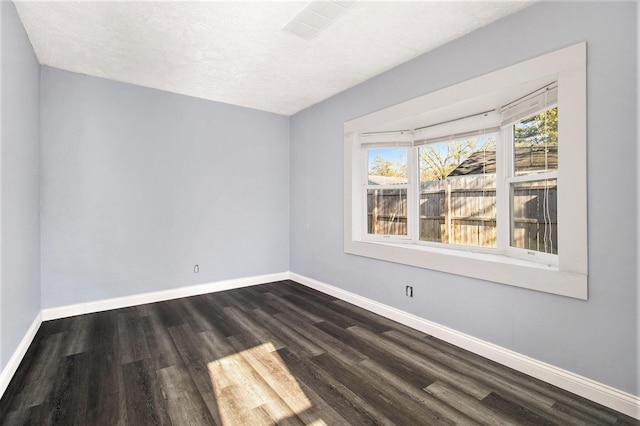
(321, 213)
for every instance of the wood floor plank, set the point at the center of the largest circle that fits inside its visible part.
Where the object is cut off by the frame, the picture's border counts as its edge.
(266, 362)
(279, 288)
(20, 380)
(367, 316)
(162, 349)
(253, 328)
(68, 400)
(467, 404)
(196, 353)
(525, 386)
(398, 410)
(518, 413)
(479, 374)
(245, 300)
(145, 404)
(49, 328)
(278, 353)
(585, 407)
(441, 413)
(368, 320)
(257, 299)
(284, 306)
(41, 377)
(200, 315)
(290, 337)
(77, 340)
(328, 343)
(320, 413)
(106, 403)
(215, 345)
(133, 342)
(171, 313)
(624, 420)
(233, 412)
(308, 292)
(185, 405)
(268, 417)
(582, 417)
(20, 418)
(227, 299)
(343, 400)
(238, 385)
(276, 417)
(442, 372)
(542, 404)
(218, 315)
(419, 378)
(320, 310)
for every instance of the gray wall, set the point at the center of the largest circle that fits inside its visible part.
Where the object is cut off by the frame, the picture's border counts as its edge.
(19, 184)
(595, 338)
(139, 185)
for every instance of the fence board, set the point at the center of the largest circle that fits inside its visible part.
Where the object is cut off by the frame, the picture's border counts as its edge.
(471, 220)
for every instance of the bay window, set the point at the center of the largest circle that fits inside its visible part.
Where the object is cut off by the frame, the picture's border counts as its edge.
(491, 185)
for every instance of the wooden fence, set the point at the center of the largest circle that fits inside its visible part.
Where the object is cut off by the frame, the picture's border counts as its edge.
(387, 211)
(536, 216)
(459, 210)
(462, 210)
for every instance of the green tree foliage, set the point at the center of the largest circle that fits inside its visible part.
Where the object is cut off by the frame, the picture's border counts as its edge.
(541, 129)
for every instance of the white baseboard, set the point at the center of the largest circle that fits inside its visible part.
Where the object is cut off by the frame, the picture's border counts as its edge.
(600, 393)
(158, 296)
(122, 302)
(10, 369)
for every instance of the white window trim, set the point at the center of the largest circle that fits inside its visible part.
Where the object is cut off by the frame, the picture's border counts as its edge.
(569, 277)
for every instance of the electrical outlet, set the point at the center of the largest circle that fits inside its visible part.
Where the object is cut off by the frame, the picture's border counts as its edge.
(196, 269)
(409, 291)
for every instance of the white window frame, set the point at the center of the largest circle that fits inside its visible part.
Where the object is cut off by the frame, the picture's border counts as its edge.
(568, 276)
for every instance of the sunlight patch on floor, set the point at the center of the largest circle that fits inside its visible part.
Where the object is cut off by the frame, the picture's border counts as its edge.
(255, 387)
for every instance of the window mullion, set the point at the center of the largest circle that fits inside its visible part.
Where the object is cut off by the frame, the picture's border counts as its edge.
(504, 169)
(363, 184)
(413, 194)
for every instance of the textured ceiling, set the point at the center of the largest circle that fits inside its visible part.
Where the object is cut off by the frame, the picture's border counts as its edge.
(236, 52)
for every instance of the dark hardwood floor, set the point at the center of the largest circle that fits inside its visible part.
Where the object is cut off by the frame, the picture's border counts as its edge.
(277, 353)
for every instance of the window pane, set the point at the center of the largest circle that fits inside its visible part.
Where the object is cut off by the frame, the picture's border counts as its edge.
(536, 143)
(387, 211)
(458, 191)
(387, 166)
(534, 215)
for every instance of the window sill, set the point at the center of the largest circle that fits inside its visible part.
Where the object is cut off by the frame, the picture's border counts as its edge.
(485, 266)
